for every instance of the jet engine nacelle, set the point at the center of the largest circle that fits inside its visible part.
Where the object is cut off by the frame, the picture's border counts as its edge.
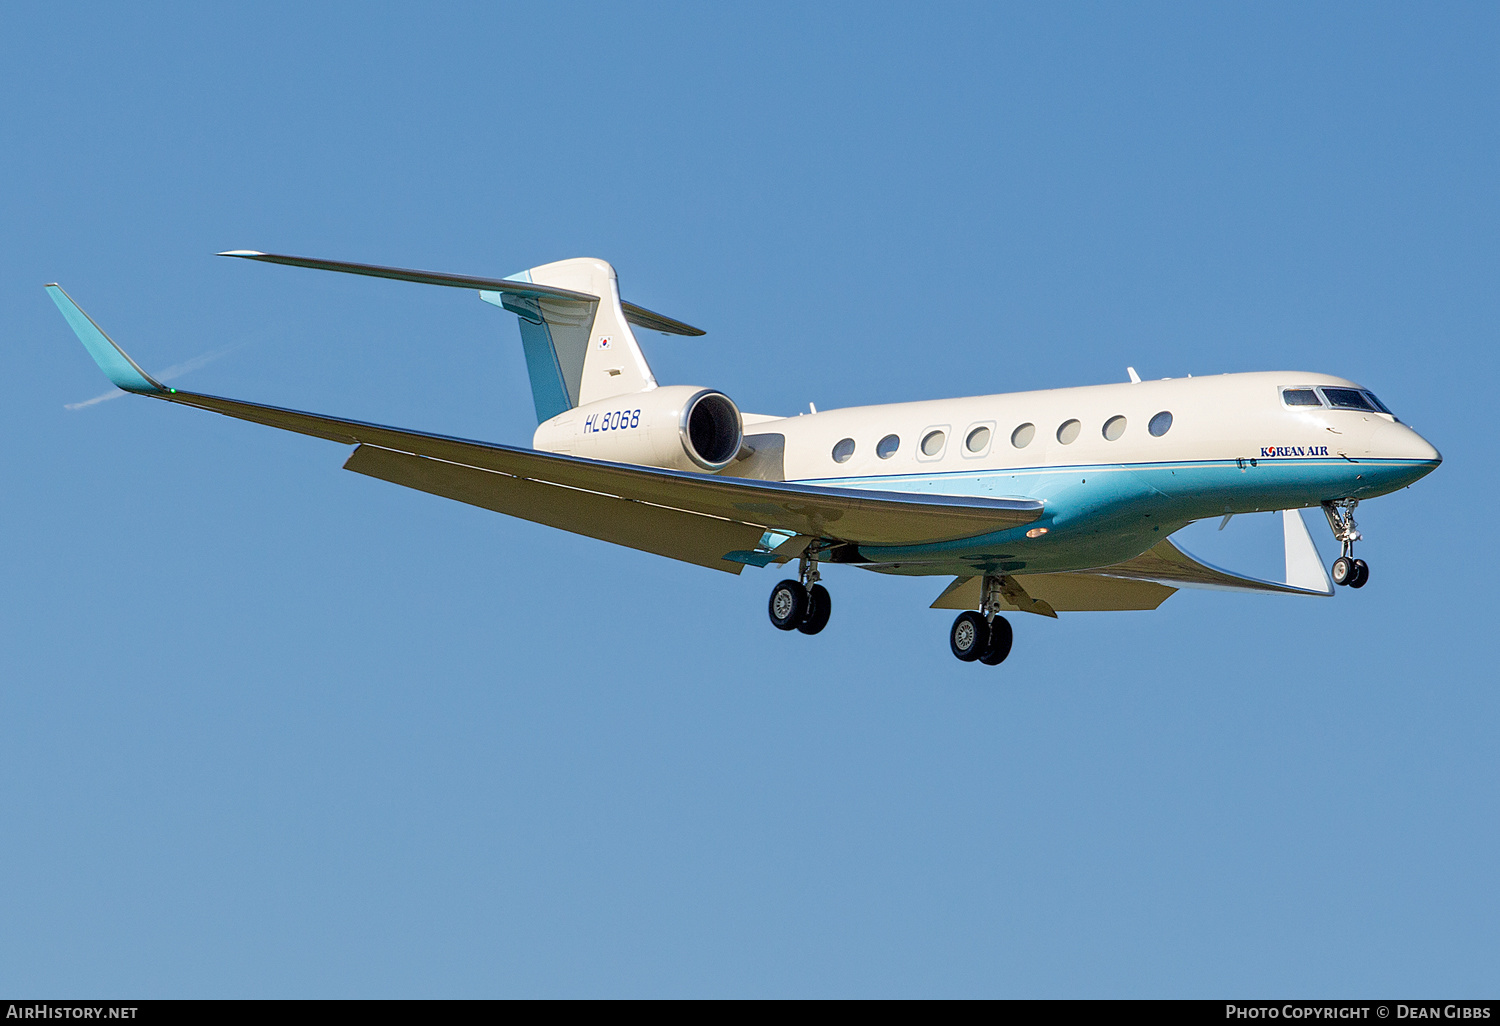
(679, 427)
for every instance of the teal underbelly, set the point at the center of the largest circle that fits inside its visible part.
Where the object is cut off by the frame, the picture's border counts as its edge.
(1100, 515)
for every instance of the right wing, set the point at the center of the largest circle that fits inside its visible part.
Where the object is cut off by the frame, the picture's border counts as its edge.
(695, 517)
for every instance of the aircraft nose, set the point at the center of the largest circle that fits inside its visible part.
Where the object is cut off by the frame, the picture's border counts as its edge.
(1399, 442)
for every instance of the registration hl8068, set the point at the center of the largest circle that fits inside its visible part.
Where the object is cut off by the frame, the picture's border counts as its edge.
(618, 420)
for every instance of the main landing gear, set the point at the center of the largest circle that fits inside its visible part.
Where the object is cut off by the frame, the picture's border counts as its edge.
(1346, 569)
(804, 604)
(985, 635)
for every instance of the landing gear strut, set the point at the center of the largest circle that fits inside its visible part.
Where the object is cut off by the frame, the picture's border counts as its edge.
(804, 604)
(1346, 569)
(984, 635)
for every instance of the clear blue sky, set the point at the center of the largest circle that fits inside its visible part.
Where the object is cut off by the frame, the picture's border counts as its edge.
(270, 728)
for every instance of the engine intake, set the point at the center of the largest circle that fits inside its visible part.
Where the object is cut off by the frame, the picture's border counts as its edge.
(680, 427)
(711, 429)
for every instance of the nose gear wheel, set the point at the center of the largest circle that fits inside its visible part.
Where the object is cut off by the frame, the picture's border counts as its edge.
(1346, 570)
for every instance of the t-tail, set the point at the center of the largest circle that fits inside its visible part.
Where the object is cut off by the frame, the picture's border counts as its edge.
(575, 329)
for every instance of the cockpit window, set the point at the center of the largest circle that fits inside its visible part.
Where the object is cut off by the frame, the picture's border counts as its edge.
(1300, 397)
(1378, 404)
(1347, 399)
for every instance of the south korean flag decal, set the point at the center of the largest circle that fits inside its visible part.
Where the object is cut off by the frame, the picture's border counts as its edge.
(605, 342)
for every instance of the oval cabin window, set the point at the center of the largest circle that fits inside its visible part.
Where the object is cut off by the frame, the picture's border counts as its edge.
(843, 451)
(887, 447)
(933, 443)
(1114, 427)
(978, 439)
(1160, 424)
(1068, 433)
(1021, 437)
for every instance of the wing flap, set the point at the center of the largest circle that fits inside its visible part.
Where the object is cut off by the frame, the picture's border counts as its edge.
(665, 532)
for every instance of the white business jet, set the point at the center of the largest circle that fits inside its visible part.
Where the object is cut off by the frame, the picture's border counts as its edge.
(1040, 502)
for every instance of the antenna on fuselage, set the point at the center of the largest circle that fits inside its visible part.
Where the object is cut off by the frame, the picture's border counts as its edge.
(1135, 379)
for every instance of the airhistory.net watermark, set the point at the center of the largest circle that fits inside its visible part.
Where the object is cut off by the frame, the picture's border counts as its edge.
(46, 1010)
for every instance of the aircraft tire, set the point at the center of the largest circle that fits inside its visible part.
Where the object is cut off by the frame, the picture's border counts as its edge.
(819, 608)
(1361, 574)
(788, 605)
(1343, 570)
(1001, 639)
(969, 636)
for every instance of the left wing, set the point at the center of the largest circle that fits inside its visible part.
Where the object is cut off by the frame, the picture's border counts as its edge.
(1164, 562)
(1149, 579)
(660, 511)
(1061, 593)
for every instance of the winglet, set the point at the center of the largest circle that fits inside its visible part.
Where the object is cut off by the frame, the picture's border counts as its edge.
(112, 360)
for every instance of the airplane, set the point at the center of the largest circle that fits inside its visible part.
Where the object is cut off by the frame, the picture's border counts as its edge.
(1042, 502)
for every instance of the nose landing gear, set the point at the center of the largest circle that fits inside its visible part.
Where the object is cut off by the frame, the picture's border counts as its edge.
(804, 604)
(985, 635)
(1346, 569)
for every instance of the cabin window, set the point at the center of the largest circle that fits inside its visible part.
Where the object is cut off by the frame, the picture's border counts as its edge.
(1160, 424)
(1021, 437)
(1300, 397)
(843, 450)
(1347, 399)
(932, 444)
(978, 440)
(887, 447)
(1067, 434)
(1114, 427)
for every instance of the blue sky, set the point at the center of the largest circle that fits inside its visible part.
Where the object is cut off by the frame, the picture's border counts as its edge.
(272, 729)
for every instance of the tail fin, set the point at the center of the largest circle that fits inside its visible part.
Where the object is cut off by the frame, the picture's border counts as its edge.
(577, 351)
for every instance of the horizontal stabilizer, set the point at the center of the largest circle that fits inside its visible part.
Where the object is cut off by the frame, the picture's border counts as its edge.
(637, 315)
